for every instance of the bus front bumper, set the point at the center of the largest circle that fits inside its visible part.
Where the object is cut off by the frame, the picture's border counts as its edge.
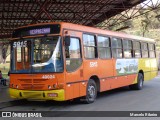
(57, 95)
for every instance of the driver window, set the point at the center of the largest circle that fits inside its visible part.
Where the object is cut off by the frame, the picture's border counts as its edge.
(73, 55)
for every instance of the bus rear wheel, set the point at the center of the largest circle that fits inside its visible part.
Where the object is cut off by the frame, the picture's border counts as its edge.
(139, 84)
(91, 92)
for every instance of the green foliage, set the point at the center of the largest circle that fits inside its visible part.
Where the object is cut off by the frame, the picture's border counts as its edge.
(4, 50)
(147, 25)
(5, 69)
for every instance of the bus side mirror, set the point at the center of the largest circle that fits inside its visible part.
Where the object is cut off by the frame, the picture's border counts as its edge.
(67, 40)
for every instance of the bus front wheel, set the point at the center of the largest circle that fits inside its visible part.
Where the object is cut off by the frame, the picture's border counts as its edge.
(139, 84)
(91, 92)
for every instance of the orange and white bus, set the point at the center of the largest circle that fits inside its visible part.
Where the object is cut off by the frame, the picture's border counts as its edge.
(63, 61)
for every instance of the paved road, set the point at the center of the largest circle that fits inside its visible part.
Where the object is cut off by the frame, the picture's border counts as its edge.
(121, 99)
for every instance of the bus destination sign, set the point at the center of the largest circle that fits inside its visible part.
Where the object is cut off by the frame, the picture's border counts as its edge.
(37, 30)
(40, 31)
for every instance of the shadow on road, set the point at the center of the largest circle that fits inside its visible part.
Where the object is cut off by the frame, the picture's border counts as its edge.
(58, 105)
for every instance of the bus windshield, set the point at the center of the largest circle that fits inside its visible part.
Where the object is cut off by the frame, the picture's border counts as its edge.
(37, 55)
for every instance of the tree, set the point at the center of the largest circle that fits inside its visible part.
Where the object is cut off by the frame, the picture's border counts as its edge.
(4, 50)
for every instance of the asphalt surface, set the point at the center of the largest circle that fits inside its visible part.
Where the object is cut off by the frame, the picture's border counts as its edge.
(4, 93)
(122, 99)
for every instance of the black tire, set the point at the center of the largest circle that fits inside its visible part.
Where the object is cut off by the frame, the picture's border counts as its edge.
(91, 92)
(139, 84)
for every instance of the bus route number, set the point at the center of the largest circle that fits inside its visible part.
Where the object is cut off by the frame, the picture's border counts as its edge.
(20, 44)
(48, 76)
(93, 64)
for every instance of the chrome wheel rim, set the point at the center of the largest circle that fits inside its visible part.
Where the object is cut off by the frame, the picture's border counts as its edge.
(91, 92)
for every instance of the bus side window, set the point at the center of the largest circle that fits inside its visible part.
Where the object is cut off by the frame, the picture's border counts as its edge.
(152, 50)
(136, 49)
(127, 48)
(144, 48)
(90, 48)
(116, 48)
(104, 50)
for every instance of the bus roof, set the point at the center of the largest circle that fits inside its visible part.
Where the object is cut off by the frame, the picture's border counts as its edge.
(87, 29)
(104, 32)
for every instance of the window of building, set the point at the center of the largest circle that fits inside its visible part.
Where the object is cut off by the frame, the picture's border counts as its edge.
(136, 49)
(116, 48)
(90, 49)
(127, 48)
(104, 50)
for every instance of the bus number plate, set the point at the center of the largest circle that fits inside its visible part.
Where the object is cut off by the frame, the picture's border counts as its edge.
(48, 76)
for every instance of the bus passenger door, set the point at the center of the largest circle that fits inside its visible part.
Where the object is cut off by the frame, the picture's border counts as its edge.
(74, 68)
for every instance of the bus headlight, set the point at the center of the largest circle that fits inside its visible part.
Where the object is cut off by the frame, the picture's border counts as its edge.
(49, 87)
